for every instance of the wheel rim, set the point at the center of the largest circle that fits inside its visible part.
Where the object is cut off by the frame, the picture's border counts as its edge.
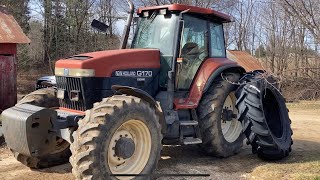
(138, 132)
(231, 130)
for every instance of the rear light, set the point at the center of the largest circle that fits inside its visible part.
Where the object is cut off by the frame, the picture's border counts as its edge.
(179, 60)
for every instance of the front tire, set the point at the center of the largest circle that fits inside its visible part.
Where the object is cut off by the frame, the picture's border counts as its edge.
(220, 138)
(117, 123)
(45, 98)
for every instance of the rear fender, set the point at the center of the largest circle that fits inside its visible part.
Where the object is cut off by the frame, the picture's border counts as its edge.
(221, 70)
(144, 96)
(208, 71)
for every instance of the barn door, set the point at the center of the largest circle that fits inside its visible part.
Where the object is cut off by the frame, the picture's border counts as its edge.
(8, 89)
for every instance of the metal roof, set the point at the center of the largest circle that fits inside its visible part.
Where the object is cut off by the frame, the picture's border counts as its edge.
(10, 31)
(246, 60)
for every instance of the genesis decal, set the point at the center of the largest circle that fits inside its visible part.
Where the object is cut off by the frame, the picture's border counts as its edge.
(133, 73)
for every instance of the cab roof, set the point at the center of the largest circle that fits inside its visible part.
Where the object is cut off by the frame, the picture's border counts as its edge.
(192, 9)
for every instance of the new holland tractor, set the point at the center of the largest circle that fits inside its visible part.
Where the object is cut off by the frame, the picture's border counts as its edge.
(112, 111)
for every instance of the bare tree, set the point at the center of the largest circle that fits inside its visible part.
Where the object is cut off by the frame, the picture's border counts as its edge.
(307, 11)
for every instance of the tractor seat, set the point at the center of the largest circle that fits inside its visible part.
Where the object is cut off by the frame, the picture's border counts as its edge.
(190, 49)
(190, 53)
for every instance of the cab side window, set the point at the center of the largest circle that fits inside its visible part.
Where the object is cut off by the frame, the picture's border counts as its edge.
(217, 48)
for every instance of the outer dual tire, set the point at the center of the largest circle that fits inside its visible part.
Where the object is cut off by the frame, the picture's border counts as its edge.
(264, 116)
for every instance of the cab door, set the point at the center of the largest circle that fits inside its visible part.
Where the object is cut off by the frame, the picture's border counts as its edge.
(194, 50)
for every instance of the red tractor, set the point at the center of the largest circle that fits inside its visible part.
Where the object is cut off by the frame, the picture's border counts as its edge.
(174, 85)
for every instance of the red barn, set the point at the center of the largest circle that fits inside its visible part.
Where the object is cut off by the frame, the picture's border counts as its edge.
(10, 35)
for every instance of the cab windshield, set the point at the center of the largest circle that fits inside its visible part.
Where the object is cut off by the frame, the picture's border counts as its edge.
(156, 32)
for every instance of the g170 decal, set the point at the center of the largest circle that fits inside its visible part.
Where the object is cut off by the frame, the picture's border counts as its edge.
(133, 73)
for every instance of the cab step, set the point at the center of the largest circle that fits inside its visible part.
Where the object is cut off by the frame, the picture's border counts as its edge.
(188, 123)
(191, 140)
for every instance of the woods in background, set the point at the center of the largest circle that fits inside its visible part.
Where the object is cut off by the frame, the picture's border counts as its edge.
(283, 34)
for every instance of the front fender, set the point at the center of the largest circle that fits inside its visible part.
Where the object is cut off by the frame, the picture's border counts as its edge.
(144, 96)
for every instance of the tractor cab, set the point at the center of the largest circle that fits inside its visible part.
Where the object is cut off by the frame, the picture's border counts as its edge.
(189, 34)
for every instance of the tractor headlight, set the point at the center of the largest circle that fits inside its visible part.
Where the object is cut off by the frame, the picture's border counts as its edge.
(74, 72)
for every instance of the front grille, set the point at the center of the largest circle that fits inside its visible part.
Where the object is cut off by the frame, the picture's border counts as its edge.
(71, 84)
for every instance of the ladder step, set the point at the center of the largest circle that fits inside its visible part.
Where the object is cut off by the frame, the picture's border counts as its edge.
(188, 123)
(191, 140)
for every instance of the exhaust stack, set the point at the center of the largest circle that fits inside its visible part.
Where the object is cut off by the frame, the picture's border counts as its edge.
(126, 31)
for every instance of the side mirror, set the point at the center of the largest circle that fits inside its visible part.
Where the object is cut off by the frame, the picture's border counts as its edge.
(100, 26)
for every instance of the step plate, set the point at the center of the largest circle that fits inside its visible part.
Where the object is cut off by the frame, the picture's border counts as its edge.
(191, 140)
(188, 123)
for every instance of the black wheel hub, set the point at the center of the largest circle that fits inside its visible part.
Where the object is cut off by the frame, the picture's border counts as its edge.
(227, 115)
(125, 148)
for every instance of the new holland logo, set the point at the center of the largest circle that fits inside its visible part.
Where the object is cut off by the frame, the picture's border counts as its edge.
(66, 72)
(133, 73)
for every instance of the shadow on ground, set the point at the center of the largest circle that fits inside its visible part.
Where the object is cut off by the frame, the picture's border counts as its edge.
(190, 160)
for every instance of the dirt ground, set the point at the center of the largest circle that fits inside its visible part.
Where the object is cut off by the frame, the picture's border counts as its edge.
(303, 162)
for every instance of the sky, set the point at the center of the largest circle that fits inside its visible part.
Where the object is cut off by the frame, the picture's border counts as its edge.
(35, 10)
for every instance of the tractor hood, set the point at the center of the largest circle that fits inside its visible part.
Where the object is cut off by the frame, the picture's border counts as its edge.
(105, 62)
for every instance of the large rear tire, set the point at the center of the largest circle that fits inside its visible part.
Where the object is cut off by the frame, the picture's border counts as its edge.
(264, 117)
(220, 138)
(120, 135)
(45, 98)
